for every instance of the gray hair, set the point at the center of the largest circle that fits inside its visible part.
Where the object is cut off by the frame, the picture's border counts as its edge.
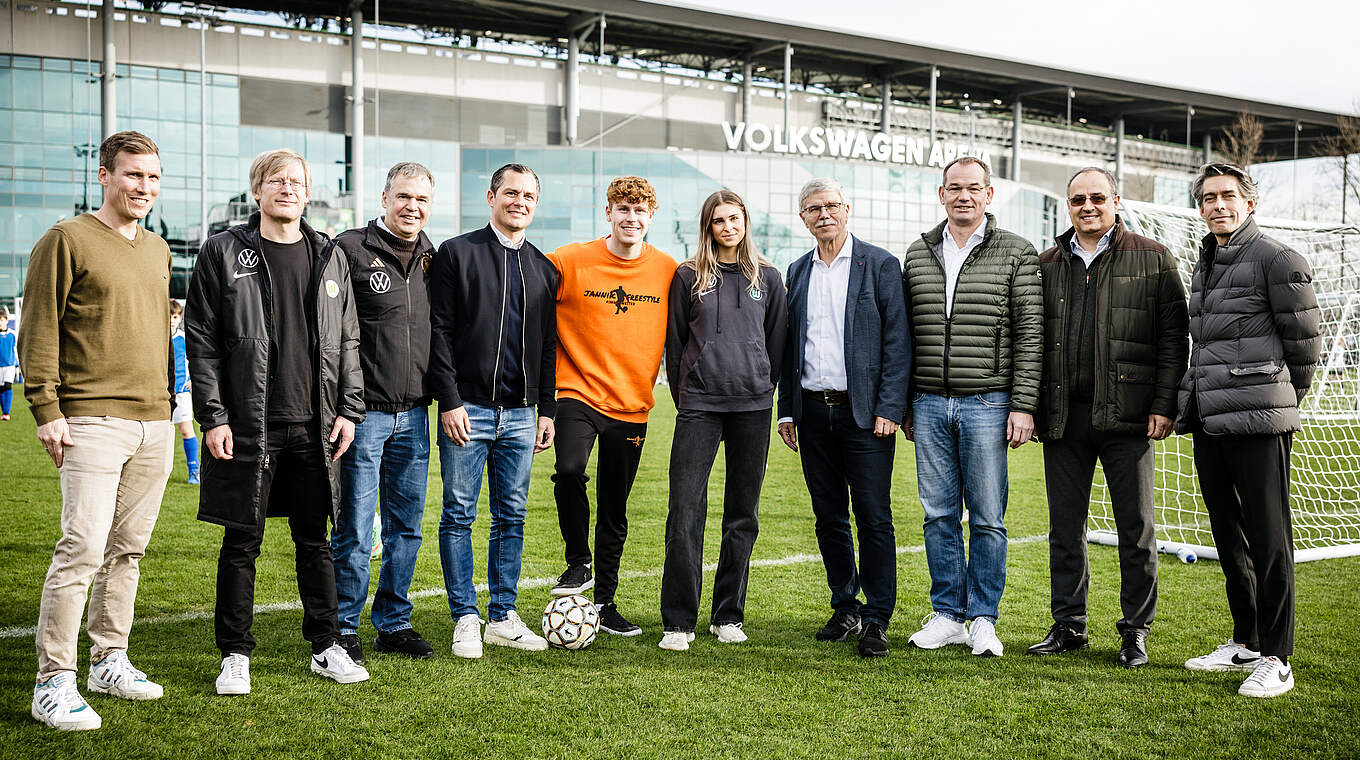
(409, 169)
(821, 185)
(1223, 169)
(1109, 177)
(986, 170)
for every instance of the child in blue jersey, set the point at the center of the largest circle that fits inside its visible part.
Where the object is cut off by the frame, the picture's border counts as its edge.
(183, 414)
(9, 364)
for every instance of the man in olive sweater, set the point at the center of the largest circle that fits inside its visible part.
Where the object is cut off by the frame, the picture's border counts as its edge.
(977, 336)
(95, 356)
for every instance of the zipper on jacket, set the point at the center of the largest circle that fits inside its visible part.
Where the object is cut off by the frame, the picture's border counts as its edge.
(523, 325)
(408, 335)
(500, 326)
(268, 356)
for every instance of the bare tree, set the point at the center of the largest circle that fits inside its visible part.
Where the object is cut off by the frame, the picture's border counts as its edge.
(1342, 146)
(1241, 143)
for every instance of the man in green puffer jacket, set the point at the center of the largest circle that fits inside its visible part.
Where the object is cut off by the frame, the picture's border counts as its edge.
(977, 332)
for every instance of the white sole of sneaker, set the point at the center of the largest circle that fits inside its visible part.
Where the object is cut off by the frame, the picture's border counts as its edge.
(625, 634)
(960, 639)
(683, 645)
(233, 691)
(82, 725)
(468, 652)
(528, 646)
(987, 652)
(355, 677)
(713, 629)
(1220, 668)
(113, 691)
(1267, 693)
(569, 590)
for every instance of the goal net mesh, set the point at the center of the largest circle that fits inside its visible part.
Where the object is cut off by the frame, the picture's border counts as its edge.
(1325, 477)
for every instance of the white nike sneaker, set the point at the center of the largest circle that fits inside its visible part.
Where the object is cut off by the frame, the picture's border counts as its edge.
(336, 664)
(676, 641)
(235, 676)
(1271, 678)
(58, 703)
(512, 632)
(1229, 656)
(115, 676)
(728, 633)
(467, 636)
(982, 637)
(938, 631)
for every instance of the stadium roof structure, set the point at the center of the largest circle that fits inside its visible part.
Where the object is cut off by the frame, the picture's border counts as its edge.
(844, 62)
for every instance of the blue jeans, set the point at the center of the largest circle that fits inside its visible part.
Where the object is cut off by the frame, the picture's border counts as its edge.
(961, 459)
(502, 442)
(390, 458)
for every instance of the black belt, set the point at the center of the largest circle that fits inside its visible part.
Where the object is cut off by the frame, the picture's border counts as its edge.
(829, 398)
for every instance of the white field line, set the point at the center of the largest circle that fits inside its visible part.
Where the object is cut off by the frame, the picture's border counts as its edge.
(524, 583)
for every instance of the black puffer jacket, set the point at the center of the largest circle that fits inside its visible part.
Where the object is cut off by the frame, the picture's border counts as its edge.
(1255, 334)
(1141, 338)
(228, 327)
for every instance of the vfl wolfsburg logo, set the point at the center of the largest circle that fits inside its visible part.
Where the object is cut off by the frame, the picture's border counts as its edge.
(247, 258)
(755, 293)
(380, 282)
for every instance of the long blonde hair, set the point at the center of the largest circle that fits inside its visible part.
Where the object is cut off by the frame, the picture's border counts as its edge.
(705, 261)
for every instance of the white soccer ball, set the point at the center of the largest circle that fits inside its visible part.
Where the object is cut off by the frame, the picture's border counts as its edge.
(570, 622)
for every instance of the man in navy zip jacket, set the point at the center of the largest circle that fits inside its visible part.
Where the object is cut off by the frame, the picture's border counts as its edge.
(492, 361)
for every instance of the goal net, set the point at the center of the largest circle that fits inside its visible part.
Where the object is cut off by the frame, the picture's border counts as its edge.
(1325, 482)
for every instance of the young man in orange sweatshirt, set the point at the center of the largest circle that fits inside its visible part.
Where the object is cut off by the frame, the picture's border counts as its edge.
(611, 331)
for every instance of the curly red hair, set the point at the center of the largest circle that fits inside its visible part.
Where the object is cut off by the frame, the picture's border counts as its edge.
(632, 190)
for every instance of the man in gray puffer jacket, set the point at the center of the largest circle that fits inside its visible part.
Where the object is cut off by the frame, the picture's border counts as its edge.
(1254, 326)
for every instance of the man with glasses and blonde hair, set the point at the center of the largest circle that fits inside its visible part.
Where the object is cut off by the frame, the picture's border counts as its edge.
(1256, 329)
(1115, 344)
(273, 342)
(977, 325)
(842, 393)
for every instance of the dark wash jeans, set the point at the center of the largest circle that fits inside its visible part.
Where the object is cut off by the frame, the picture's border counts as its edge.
(296, 452)
(847, 467)
(746, 441)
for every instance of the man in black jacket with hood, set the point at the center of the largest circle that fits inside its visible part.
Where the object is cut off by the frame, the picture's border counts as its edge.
(388, 260)
(273, 344)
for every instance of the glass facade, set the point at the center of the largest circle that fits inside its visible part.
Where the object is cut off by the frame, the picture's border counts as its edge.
(49, 136)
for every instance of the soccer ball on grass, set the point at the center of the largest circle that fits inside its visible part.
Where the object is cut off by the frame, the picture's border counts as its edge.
(570, 622)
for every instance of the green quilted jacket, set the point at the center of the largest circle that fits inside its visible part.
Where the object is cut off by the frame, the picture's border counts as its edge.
(994, 339)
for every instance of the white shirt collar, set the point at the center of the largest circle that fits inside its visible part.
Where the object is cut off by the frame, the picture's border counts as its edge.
(976, 236)
(1101, 245)
(847, 248)
(505, 239)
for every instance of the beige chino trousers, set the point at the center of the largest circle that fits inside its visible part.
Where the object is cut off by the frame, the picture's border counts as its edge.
(112, 481)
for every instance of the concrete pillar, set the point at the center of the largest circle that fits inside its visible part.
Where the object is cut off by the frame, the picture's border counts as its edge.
(788, 84)
(108, 90)
(573, 86)
(934, 75)
(356, 111)
(1208, 147)
(887, 106)
(203, 127)
(746, 70)
(1017, 118)
(1119, 151)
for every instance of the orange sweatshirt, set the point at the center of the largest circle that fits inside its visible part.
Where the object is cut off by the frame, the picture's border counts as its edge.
(611, 326)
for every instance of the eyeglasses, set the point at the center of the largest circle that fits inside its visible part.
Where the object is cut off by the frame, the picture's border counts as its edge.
(292, 184)
(830, 208)
(1077, 201)
(954, 191)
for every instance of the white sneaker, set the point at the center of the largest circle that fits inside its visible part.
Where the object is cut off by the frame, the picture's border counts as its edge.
(938, 631)
(1270, 679)
(115, 676)
(676, 641)
(512, 632)
(58, 703)
(728, 633)
(1229, 656)
(982, 636)
(235, 676)
(467, 636)
(336, 664)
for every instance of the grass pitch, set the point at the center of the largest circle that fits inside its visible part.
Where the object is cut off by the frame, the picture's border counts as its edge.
(782, 694)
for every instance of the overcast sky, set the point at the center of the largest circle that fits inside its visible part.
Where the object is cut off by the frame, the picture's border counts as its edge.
(1305, 52)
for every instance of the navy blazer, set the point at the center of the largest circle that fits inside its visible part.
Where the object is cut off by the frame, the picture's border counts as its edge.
(877, 336)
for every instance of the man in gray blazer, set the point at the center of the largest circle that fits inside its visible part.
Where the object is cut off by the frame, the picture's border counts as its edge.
(844, 387)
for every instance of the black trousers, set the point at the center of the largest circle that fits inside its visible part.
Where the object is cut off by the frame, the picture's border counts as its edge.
(1069, 466)
(847, 467)
(746, 443)
(296, 453)
(1245, 482)
(620, 451)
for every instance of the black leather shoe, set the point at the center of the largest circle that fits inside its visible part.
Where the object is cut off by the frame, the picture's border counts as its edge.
(406, 642)
(873, 642)
(1061, 638)
(350, 643)
(1133, 650)
(839, 627)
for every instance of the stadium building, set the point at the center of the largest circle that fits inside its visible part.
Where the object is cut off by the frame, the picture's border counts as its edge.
(692, 99)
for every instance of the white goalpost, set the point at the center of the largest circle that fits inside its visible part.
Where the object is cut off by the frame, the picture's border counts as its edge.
(1325, 476)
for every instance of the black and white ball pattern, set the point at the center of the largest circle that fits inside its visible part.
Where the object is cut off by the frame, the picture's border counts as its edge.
(570, 622)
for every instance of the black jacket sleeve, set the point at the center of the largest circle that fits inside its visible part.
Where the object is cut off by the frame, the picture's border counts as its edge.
(891, 403)
(547, 373)
(443, 318)
(677, 328)
(787, 384)
(1027, 332)
(776, 321)
(351, 378)
(1173, 337)
(1294, 309)
(202, 341)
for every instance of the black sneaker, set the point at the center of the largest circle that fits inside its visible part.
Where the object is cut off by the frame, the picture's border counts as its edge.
(612, 622)
(874, 641)
(350, 643)
(574, 580)
(406, 642)
(839, 628)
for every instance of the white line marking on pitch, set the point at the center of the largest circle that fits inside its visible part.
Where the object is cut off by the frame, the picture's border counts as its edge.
(525, 583)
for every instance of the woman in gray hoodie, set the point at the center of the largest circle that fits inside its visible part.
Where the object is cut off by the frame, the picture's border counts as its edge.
(724, 345)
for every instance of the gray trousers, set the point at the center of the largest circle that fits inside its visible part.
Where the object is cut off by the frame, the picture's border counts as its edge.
(1069, 466)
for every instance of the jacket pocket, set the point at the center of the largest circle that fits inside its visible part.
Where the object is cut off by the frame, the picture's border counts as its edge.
(1261, 368)
(732, 369)
(1133, 395)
